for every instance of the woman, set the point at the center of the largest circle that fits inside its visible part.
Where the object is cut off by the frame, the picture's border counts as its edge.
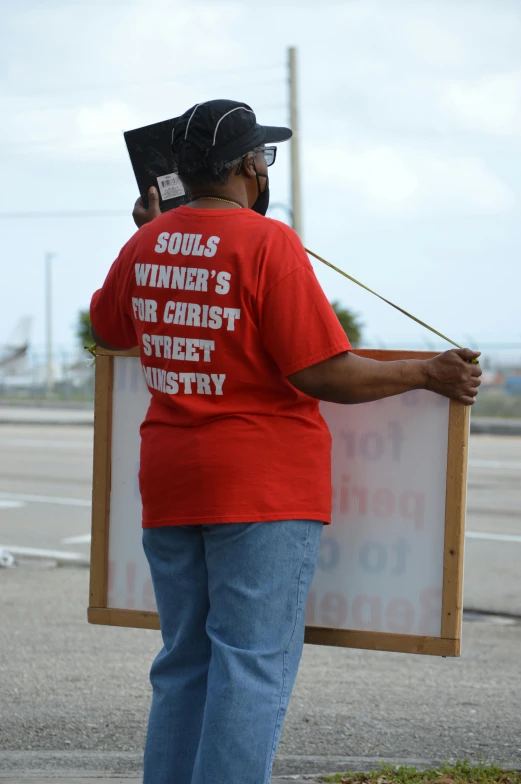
(238, 345)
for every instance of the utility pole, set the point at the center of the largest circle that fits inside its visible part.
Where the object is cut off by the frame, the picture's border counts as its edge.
(48, 321)
(296, 221)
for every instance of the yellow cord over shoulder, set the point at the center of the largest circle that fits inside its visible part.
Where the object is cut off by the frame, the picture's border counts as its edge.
(397, 307)
(92, 349)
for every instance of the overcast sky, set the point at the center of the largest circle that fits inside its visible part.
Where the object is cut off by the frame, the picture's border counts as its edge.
(410, 143)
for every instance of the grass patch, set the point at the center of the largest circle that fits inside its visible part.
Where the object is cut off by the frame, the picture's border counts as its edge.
(459, 773)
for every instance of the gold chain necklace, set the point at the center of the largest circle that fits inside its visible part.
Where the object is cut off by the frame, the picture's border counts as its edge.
(218, 198)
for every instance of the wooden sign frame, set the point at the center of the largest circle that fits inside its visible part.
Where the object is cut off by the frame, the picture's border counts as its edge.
(448, 644)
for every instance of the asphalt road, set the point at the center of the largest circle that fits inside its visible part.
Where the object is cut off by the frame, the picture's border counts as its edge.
(45, 486)
(74, 698)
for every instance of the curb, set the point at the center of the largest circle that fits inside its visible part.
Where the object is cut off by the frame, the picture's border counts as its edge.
(40, 416)
(49, 405)
(52, 422)
(495, 427)
(60, 557)
(24, 770)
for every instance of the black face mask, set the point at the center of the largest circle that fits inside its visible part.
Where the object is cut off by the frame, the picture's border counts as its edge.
(263, 199)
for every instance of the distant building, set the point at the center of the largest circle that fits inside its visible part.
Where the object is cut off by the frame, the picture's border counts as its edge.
(512, 384)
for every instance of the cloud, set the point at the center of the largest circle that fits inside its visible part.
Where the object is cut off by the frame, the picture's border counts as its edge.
(491, 104)
(379, 173)
(123, 69)
(413, 182)
(434, 43)
(92, 131)
(408, 110)
(105, 118)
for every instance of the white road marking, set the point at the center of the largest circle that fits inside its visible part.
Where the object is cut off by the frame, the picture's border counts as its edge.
(40, 443)
(493, 537)
(54, 555)
(82, 539)
(7, 504)
(501, 464)
(12, 500)
(45, 499)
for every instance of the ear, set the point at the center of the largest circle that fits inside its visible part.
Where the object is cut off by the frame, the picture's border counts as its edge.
(248, 166)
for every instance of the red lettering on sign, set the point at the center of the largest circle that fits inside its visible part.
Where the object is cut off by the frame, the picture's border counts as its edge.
(399, 616)
(367, 612)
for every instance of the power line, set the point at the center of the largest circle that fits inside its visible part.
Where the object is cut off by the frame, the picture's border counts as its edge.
(65, 214)
(103, 96)
(73, 88)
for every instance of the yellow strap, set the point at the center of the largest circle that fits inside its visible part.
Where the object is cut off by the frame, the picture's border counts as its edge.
(92, 350)
(423, 324)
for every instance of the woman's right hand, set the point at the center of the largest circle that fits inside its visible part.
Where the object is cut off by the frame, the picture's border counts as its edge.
(453, 375)
(140, 214)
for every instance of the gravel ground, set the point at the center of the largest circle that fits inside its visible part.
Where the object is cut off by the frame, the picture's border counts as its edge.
(74, 698)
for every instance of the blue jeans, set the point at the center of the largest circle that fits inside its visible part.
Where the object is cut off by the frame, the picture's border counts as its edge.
(231, 600)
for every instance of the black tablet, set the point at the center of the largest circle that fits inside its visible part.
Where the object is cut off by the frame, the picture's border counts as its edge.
(150, 151)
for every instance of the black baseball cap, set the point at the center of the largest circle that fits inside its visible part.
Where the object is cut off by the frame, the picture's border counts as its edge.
(224, 130)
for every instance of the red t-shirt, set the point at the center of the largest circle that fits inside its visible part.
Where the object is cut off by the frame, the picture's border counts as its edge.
(224, 304)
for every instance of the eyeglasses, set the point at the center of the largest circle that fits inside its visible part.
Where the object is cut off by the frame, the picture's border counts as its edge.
(270, 153)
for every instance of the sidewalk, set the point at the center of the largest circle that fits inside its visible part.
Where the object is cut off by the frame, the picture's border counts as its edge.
(69, 780)
(127, 780)
(120, 780)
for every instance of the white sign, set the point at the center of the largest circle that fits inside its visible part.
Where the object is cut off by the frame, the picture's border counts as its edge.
(380, 566)
(381, 562)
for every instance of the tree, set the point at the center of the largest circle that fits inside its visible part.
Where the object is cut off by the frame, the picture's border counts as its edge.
(83, 332)
(350, 322)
